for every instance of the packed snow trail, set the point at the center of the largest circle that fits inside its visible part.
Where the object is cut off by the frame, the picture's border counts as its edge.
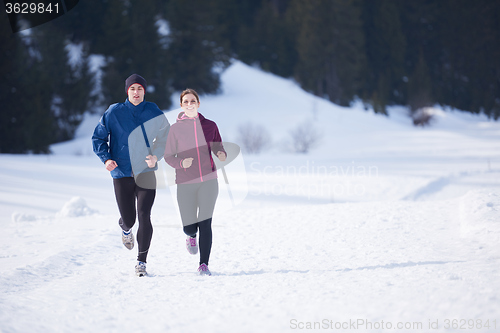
(275, 267)
(383, 228)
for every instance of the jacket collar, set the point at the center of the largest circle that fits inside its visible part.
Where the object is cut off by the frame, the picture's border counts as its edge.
(182, 116)
(132, 106)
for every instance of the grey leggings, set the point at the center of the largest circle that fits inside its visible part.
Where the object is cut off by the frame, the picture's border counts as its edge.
(196, 204)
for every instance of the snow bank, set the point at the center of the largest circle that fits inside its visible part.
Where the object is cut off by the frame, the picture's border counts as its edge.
(480, 214)
(22, 217)
(416, 242)
(76, 207)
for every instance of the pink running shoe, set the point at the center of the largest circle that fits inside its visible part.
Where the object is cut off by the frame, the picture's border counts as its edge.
(203, 270)
(191, 245)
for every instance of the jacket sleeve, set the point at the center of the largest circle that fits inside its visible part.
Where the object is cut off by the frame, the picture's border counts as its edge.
(171, 152)
(100, 139)
(216, 144)
(161, 138)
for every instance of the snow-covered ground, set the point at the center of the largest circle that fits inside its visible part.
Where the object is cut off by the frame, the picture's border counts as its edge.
(382, 227)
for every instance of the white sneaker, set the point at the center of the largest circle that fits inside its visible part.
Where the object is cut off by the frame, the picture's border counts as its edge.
(140, 269)
(128, 239)
(203, 270)
(192, 245)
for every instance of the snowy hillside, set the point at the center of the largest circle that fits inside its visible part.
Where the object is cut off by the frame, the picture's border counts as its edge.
(383, 227)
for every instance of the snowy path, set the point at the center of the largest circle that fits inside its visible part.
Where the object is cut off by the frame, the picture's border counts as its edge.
(277, 266)
(383, 228)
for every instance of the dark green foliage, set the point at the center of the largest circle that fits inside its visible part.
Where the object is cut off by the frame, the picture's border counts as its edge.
(67, 86)
(196, 44)
(384, 52)
(131, 44)
(26, 123)
(471, 57)
(420, 86)
(268, 41)
(330, 46)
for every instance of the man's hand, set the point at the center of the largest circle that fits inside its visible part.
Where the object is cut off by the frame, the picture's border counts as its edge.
(110, 165)
(151, 160)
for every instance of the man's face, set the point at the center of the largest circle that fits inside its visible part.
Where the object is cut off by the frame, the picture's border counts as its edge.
(136, 94)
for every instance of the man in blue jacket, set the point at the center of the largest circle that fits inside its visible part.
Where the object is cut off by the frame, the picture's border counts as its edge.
(130, 139)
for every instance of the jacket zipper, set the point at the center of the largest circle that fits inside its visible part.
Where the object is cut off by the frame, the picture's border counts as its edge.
(197, 148)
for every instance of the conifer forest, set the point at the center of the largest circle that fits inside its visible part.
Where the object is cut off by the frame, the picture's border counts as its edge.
(414, 53)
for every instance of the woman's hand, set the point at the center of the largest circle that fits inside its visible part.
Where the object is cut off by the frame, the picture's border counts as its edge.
(151, 160)
(110, 165)
(221, 155)
(186, 163)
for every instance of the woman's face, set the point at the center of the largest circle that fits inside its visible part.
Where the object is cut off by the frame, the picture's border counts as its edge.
(190, 105)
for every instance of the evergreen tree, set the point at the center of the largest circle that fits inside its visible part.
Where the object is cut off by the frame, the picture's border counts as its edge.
(269, 41)
(131, 44)
(330, 48)
(10, 130)
(422, 25)
(68, 84)
(385, 49)
(147, 54)
(84, 23)
(234, 17)
(196, 52)
(115, 43)
(472, 41)
(26, 123)
(420, 86)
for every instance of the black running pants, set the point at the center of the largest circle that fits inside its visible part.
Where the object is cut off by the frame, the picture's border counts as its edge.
(196, 205)
(127, 193)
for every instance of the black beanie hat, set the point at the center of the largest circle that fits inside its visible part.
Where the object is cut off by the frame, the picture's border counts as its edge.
(135, 78)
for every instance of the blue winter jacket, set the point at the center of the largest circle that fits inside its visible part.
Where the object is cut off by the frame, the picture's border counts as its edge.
(119, 136)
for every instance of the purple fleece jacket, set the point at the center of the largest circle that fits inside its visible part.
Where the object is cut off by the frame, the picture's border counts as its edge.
(197, 138)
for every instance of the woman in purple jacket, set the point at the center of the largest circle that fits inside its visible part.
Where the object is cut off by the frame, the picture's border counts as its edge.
(190, 144)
